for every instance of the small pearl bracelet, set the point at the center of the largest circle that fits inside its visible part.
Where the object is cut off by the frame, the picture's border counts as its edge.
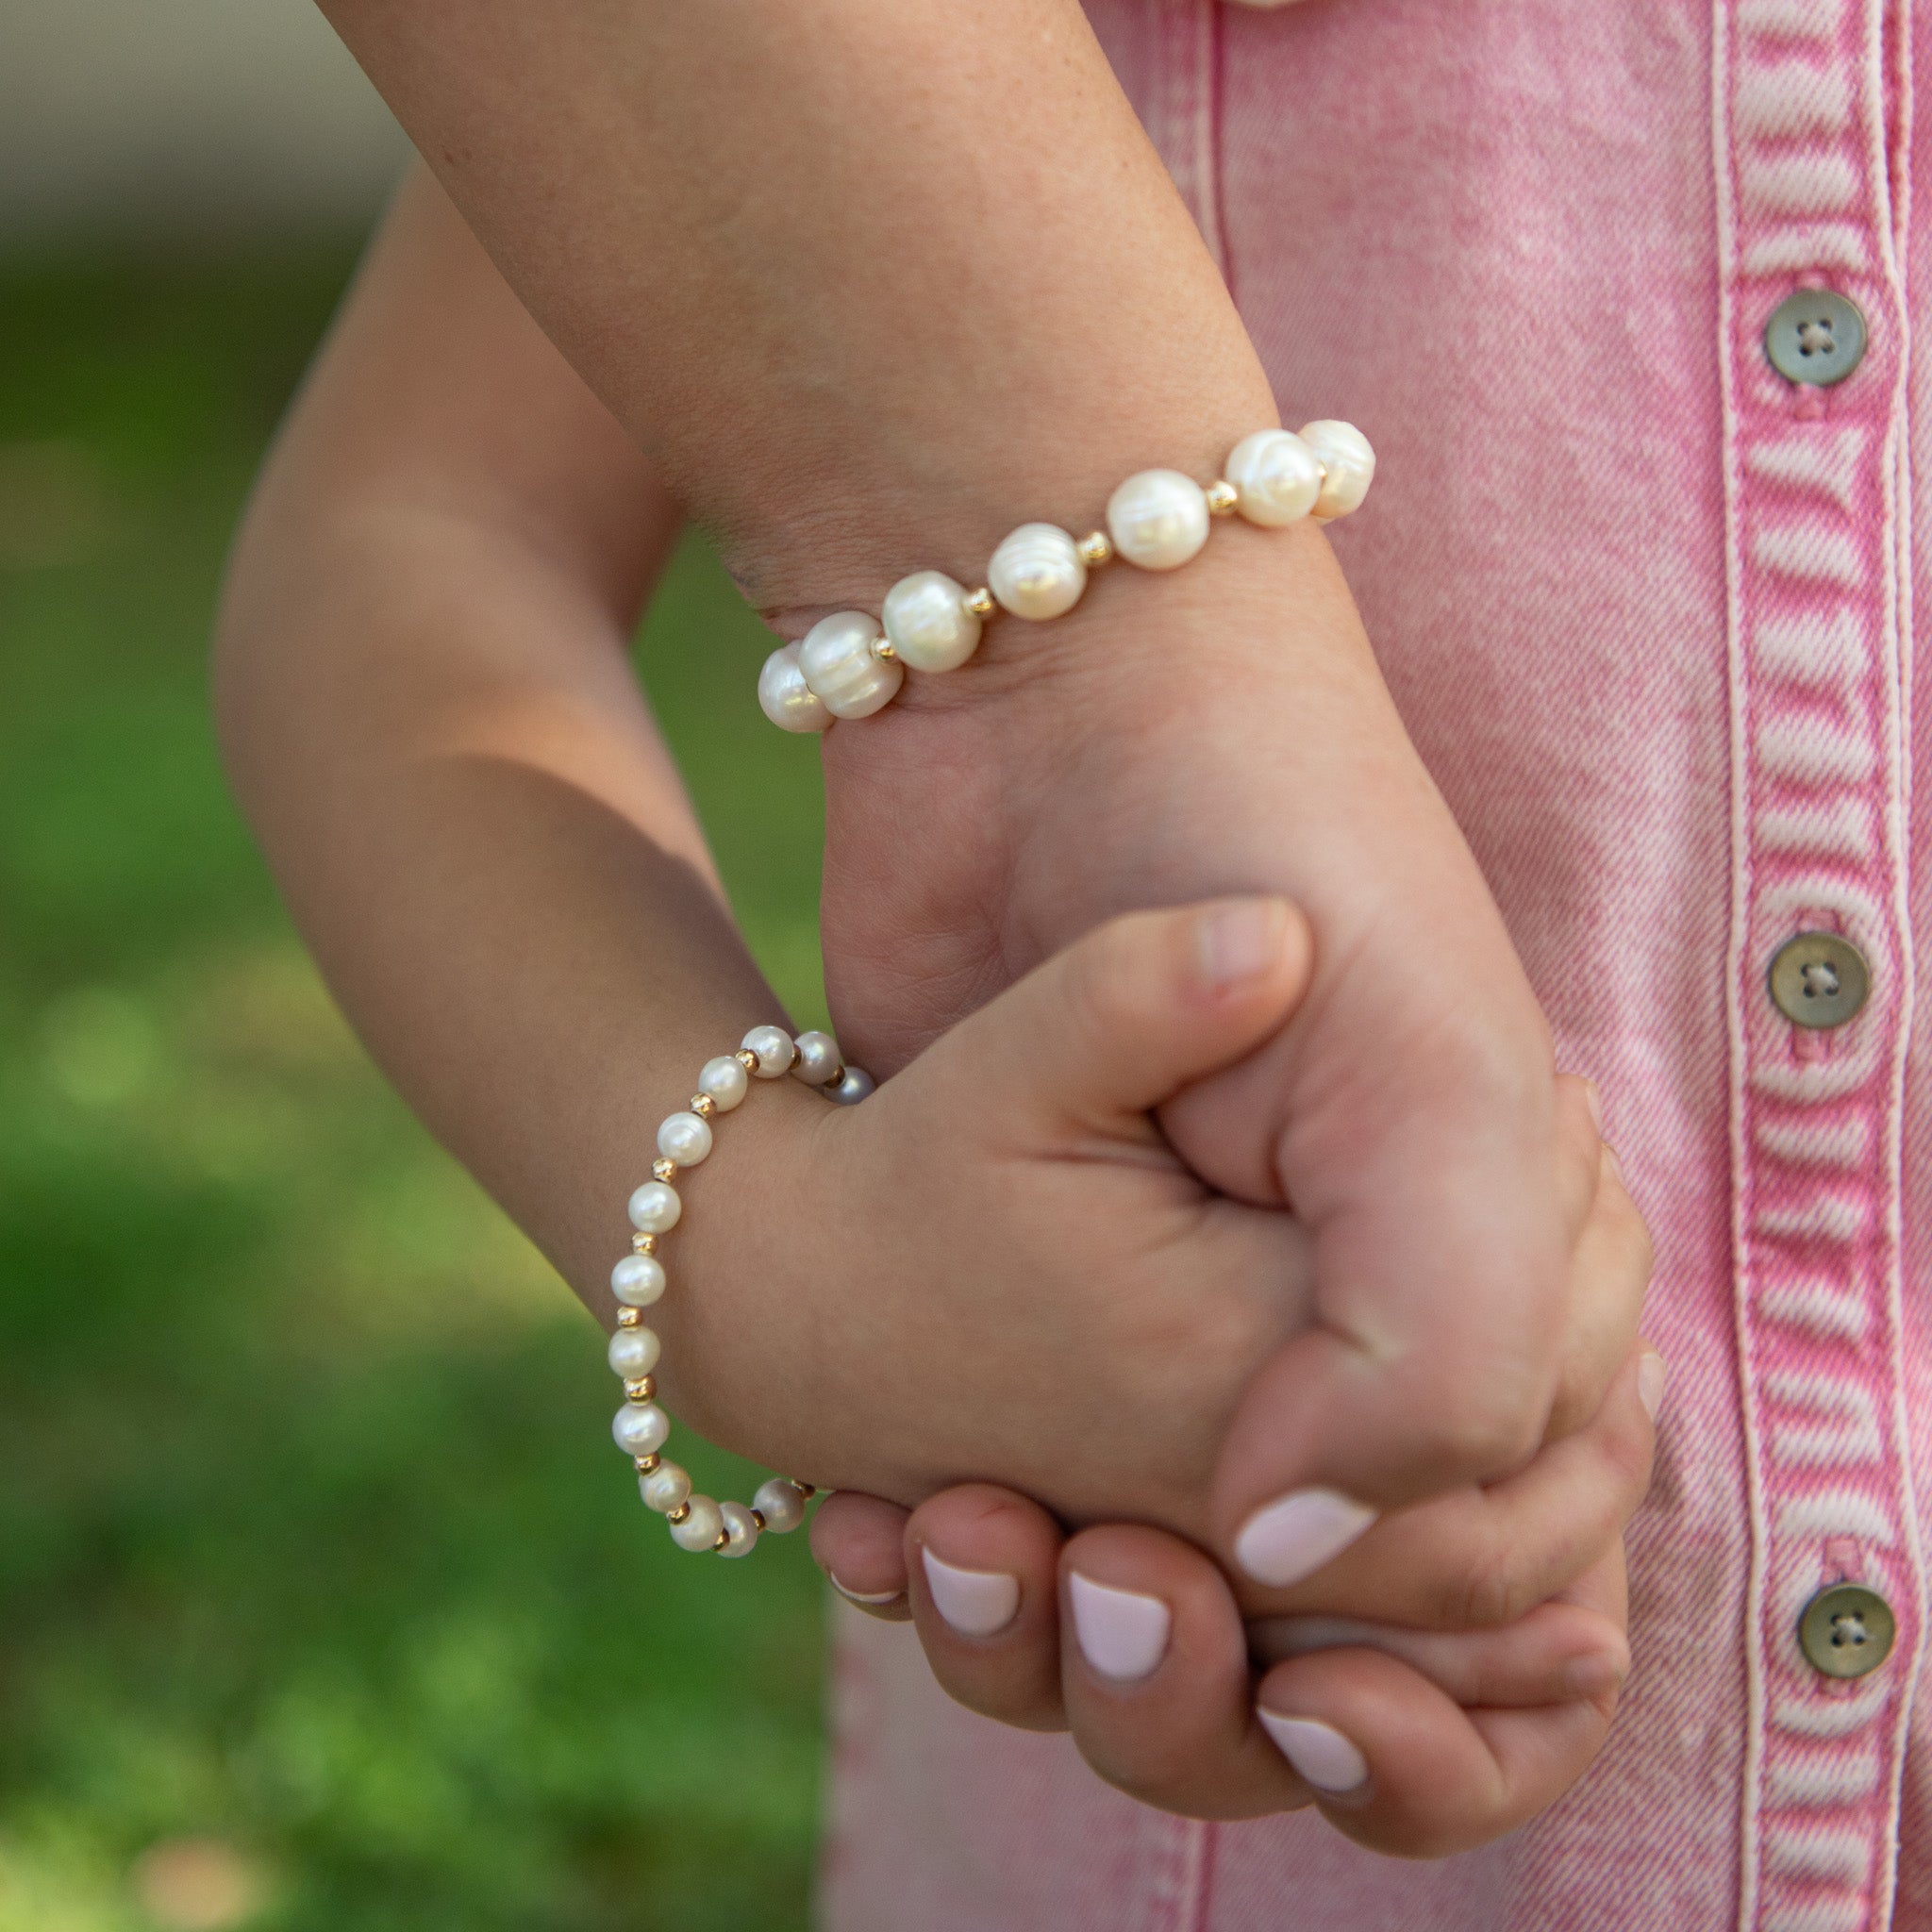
(642, 1428)
(851, 664)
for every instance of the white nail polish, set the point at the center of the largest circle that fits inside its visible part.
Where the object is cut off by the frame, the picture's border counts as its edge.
(863, 1596)
(1122, 1633)
(1293, 1536)
(975, 1603)
(1318, 1752)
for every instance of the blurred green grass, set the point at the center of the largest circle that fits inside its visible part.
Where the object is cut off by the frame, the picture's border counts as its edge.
(316, 1571)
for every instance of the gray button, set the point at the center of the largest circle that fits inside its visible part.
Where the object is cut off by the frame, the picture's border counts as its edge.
(1815, 337)
(1846, 1630)
(1819, 980)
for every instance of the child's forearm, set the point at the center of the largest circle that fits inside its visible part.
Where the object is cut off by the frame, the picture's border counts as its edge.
(428, 713)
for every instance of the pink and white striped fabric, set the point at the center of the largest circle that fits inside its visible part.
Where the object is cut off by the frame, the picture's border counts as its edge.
(1648, 608)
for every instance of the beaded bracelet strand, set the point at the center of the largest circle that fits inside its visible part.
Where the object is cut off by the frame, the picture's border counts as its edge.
(642, 1428)
(852, 664)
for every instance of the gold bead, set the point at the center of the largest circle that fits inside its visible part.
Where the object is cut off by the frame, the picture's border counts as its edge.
(647, 1464)
(980, 602)
(643, 1244)
(805, 1489)
(630, 1318)
(703, 1106)
(833, 1078)
(747, 1059)
(678, 1514)
(882, 649)
(1096, 549)
(1222, 498)
(723, 1542)
(641, 1389)
(757, 1516)
(665, 1171)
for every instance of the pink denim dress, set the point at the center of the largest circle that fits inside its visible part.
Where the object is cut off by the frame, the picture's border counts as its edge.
(1647, 606)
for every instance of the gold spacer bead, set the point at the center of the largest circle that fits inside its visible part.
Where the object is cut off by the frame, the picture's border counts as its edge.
(665, 1171)
(883, 650)
(643, 1244)
(805, 1489)
(703, 1106)
(747, 1059)
(833, 1078)
(678, 1514)
(980, 602)
(641, 1389)
(1222, 498)
(1095, 548)
(630, 1318)
(647, 1464)
(723, 1542)
(757, 1516)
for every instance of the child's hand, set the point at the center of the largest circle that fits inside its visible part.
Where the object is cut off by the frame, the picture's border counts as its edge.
(1226, 729)
(1012, 1278)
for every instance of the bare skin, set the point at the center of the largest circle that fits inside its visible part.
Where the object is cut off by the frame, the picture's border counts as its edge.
(428, 711)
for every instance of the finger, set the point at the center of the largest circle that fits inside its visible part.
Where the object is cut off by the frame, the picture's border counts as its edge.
(980, 1563)
(1133, 1012)
(1157, 1689)
(1397, 1766)
(1578, 1150)
(1609, 1272)
(1569, 1648)
(1479, 1558)
(858, 1541)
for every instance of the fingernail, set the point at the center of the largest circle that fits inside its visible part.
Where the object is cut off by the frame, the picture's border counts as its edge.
(975, 1603)
(1590, 1676)
(1238, 939)
(1594, 1101)
(863, 1596)
(1293, 1536)
(1320, 1752)
(1122, 1633)
(1651, 1376)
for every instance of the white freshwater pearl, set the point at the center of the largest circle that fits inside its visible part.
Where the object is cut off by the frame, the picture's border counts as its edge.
(633, 1352)
(685, 1138)
(1350, 463)
(724, 1081)
(774, 1049)
(664, 1489)
(818, 1059)
(836, 656)
(655, 1208)
(780, 1504)
(740, 1527)
(785, 698)
(857, 1085)
(1036, 572)
(637, 1280)
(930, 622)
(1278, 476)
(641, 1428)
(699, 1530)
(1158, 518)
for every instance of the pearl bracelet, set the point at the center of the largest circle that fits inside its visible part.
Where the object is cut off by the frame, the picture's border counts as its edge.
(851, 664)
(642, 1428)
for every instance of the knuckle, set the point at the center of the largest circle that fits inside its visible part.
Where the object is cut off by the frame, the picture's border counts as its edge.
(1471, 1428)
(1488, 1591)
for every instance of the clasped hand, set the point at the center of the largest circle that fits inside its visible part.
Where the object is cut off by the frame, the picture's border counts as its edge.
(1015, 1278)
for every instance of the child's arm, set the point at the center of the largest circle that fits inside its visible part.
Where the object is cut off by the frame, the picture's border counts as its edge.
(873, 281)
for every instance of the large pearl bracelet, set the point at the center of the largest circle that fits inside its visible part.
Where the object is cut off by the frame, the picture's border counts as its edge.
(851, 664)
(642, 1428)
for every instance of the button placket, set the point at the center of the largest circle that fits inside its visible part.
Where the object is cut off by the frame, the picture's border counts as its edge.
(1813, 361)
